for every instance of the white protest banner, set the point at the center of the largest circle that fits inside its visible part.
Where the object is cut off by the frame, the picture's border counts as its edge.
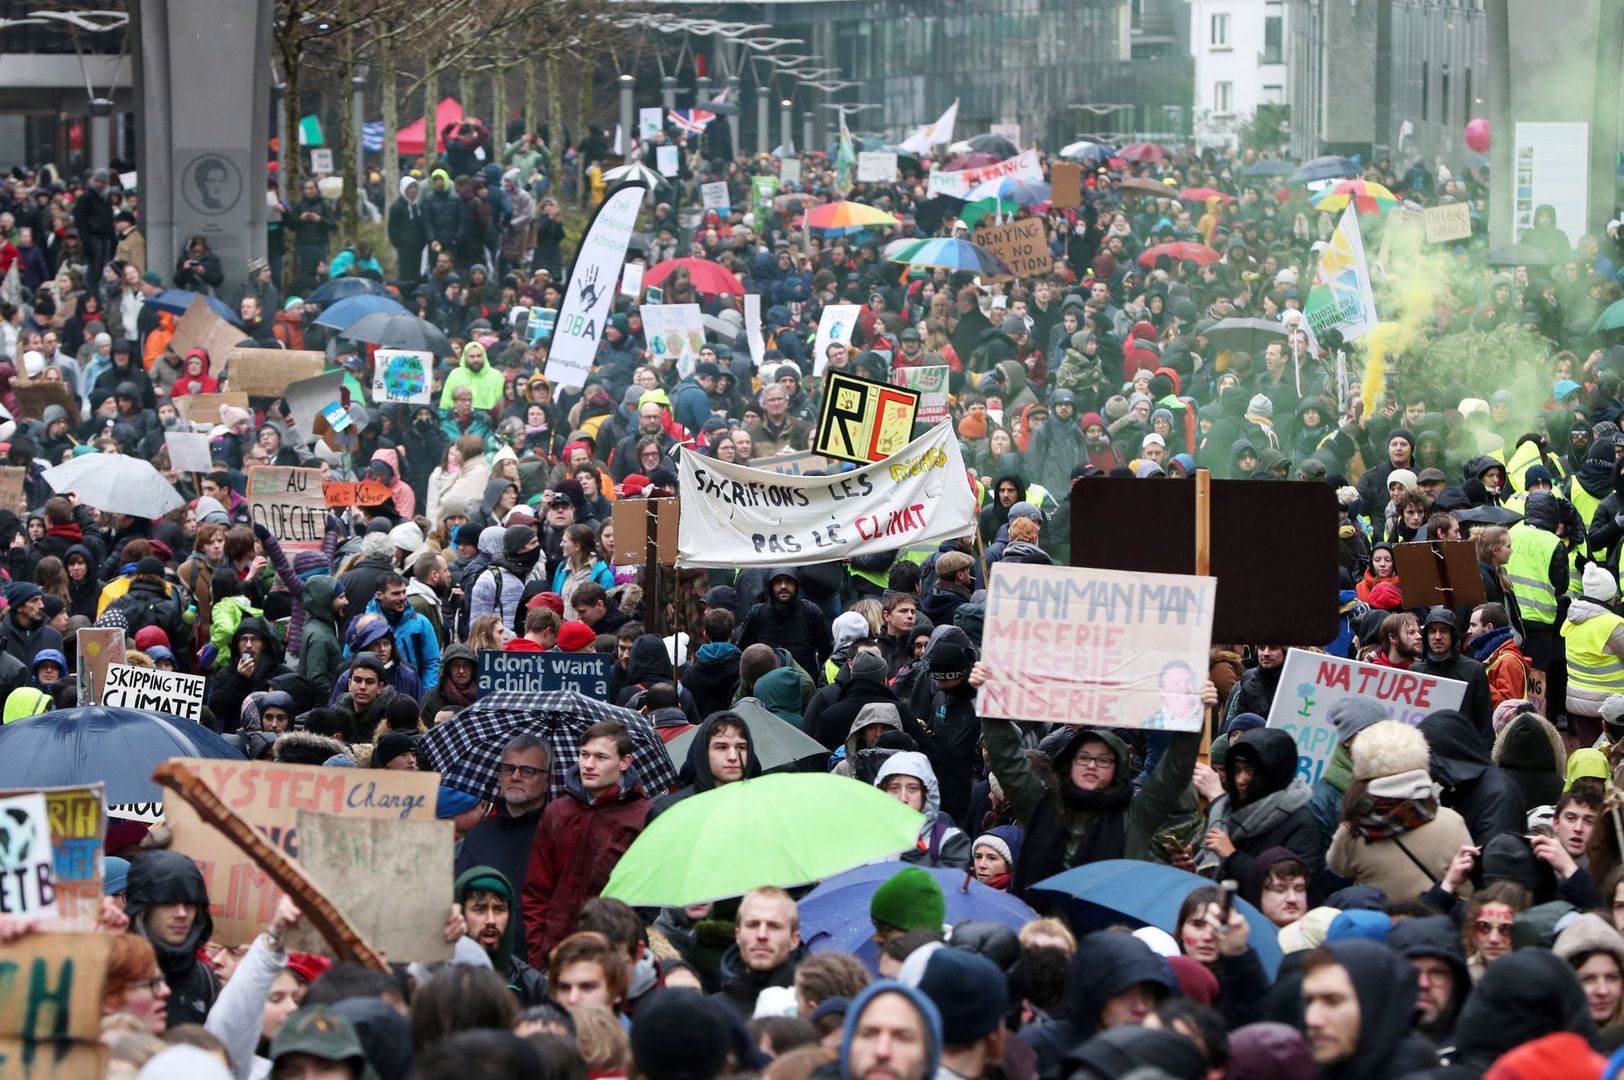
(665, 160)
(1023, 166)
(1310, 683)
(733, 515)
(188, 451)
(675, 333)
(172, 692)
(752, 328)
(931, 383)
(591, 287)
(631, 278)
(290, 503)
(27, 863)
(789, 170)
(321, 161)
(403, 375)
(1451, 221)
(876, 166)
(1112, 648)
(714, 196)
(649, 122)
(835, 325)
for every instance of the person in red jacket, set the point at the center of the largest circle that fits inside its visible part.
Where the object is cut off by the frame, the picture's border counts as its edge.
(582, 836)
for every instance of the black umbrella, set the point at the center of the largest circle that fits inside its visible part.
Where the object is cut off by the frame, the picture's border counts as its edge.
(1268, 167)
(1248, 335)
(721, 108)
(345, 287)
(932, 215)
(1521, 255)
(1487, 515)
(399, 330)
(993, 144)
(1325, 168)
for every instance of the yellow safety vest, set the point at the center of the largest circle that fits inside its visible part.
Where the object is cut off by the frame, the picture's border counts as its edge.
(1591, 667)
(1530, 572)
(1586, 504)
(1521, 459)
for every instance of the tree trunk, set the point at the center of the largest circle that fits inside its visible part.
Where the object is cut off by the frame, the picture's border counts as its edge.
(555, 132)
(527, 108)
(499, 113)
(391, 117)
(431, 113)
(585, 124)
(349, 200)
(292, 155)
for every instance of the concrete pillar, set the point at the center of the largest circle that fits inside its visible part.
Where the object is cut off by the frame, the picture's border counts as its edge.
(101, 133)
(702, 90)
(736, 98)
(628, 117)
(764, 127)
(785, 124)
(668, 92)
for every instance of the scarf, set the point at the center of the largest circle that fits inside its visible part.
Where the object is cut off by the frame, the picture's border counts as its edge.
(999, 882)
(1383, 819)
(1255, 819)
(1483, 646)
(1086, 827)
(456, 695)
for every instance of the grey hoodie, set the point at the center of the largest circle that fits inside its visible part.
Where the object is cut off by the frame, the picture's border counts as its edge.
(941, 843)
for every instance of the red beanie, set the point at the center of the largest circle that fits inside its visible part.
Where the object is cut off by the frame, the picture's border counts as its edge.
(1195, 981)
(576, 636)
(550, 600)
(148, 636)
(1387, 597)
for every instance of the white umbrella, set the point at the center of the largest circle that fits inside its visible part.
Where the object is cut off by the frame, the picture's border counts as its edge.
(635, 170)
(116, 483)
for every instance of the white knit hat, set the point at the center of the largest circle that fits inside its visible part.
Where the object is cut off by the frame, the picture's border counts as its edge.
(1598, 584)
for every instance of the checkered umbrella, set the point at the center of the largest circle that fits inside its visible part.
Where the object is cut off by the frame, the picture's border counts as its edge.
(466, 749)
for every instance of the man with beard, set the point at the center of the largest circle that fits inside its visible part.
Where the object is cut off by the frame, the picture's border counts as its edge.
(1400, 638)
(504, 838)
(488, 908)
(1254, 691)
(784, 620)
(1432, 946)
(256, 658)
(1442, 657)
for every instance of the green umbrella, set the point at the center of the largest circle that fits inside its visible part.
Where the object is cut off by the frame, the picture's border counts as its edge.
(785, 829)
(1612, 318)
(775, 742)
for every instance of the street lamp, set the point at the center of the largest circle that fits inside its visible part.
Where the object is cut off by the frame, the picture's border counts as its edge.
(785, 108)
(628, 86)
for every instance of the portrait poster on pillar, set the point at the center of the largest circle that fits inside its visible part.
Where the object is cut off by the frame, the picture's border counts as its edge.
(210, 186)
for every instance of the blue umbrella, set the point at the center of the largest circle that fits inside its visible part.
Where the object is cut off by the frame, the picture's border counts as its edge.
(94, 744)
(1113, 890)
(347, 311)
(345, 287)
(834, 916)
(1268, 167)
(176, 301)
(1330, 167)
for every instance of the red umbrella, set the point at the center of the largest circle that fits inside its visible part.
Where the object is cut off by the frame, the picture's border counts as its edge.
(1142, 151)
(1202, 194)
(1179, 251)
(708, 277)
(971, 161)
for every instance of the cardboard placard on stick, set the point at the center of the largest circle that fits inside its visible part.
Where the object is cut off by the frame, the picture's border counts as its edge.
(27, 864)
(99, 648)
(269, 797)
(11, 488)
(391, 879)
(1023, 244)
(1434, 573)
(291, 503)
(205, 408)
(267, 372)
(1451, 221)
(78, 821)
(50, 1016)
(307, 397)
(193, 327)
(34, 397)
(1066, 179)
(631, 530)
(189, 451)
(174, 693)
(1298, 606)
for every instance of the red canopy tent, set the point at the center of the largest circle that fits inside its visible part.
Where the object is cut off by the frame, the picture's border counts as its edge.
(409, 139)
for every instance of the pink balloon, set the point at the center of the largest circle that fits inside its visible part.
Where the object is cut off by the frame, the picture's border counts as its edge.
(1477, 135)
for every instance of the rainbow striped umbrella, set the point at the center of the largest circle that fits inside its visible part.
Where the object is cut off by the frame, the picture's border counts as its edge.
(845, 216)
(946, 252)
(1368, 197)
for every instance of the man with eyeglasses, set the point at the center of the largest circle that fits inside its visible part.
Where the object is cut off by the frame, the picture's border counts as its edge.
(503, 839)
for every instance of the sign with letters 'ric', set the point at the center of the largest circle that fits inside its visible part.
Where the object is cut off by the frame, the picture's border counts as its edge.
(864, 421)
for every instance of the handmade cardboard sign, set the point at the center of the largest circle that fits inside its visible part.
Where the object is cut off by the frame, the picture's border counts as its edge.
(50, 1014)
(205, 408)
(535, 672)
(1076, 645)
(173, 692)
(267, 372)
(402, 375)
(863, 421)
(27, 863)
(11, 488)
(270, 796)
(291, 503)
(1451, 221)
(1310, 683)
(78, 820)
(33, 398)
(631, 530)
(189, 451)
(1022, 244)
(99, 648)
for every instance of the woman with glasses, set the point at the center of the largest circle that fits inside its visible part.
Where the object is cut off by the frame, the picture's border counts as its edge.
(1486, 930)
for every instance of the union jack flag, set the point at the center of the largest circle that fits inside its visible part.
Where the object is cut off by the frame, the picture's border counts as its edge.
(692, 121)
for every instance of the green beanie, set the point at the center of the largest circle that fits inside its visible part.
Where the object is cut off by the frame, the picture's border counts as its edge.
(909, 900)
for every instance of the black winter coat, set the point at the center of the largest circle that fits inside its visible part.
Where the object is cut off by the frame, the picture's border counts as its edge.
(1474, 787)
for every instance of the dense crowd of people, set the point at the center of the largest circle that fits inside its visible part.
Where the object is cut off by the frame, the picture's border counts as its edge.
(1448, 897)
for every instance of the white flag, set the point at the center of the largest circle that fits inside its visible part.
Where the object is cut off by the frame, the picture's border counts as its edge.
(930, 135)
(590, 291)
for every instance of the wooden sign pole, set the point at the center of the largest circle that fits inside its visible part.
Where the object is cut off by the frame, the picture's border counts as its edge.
(1203, 568)
(653, 604)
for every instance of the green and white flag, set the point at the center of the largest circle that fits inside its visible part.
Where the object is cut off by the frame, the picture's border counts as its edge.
(1340, 298)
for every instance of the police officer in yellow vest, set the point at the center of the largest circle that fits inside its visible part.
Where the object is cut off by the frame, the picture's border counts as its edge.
(1539, 574)
(1593, 636)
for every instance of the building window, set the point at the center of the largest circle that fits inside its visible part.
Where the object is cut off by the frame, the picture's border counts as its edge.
(1220, 31)
(1223, 97)
(1272, 46)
